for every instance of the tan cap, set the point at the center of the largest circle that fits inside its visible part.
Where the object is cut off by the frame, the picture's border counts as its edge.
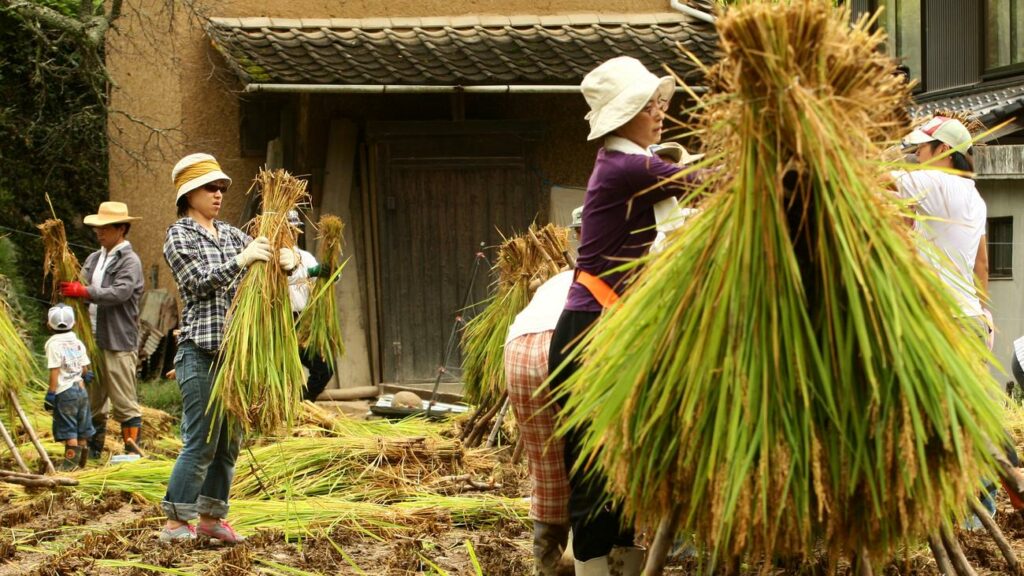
(110, 213)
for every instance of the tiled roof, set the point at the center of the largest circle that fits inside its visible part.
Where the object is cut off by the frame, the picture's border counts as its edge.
(469, 50)
(991, 104)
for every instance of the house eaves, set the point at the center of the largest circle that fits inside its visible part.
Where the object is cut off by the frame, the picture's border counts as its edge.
(492, 53)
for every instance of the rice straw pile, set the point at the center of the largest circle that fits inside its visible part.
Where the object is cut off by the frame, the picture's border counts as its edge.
(319, 323)
(17, 368)
(259, 384)
(788, 370)
(61, 265)
(523, 263)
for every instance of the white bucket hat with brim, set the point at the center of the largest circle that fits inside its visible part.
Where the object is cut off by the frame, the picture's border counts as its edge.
(618, 90)
(110, 213)
(195, 170)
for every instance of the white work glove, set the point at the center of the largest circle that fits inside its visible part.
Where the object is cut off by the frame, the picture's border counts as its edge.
(257, 251)
(288, 258)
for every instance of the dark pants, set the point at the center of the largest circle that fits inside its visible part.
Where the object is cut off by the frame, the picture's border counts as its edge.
(320, 374)
(597, 526)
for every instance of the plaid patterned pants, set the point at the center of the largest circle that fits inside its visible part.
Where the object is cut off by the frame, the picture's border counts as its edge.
(526, 368)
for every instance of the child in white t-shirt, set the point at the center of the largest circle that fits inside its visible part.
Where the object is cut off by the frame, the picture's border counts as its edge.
(68, 363)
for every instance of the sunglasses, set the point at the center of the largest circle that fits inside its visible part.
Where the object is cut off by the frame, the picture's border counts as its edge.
(211, 187)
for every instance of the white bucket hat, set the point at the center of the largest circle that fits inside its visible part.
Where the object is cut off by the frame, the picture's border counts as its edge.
(193, 171)
(618, 90)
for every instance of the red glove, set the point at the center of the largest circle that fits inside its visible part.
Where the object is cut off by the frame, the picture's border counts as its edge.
(73, 290)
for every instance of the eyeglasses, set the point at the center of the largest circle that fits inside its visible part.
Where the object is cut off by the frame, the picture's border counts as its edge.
(211, 187)
(655, 106)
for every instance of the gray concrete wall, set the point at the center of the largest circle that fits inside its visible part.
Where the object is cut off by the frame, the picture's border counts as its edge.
(1005, 197)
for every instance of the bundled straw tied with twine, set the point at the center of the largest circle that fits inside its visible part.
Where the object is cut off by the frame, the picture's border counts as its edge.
(61, 264)
(259, 384)
(319, 324)
(789, 369)
(524, 262)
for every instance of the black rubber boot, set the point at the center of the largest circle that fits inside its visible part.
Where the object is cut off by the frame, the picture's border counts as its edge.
(71, 456)
(95, 444)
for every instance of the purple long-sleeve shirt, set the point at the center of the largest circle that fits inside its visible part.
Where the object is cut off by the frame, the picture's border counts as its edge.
(618, 221)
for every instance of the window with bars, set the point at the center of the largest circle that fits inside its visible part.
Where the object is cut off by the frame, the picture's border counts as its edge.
(1000, 247)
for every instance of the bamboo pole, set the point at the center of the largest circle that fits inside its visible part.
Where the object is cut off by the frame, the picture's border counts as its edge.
(657, 557)
(31, 433)
(960, 563)
(35, 480)
(493, 437)
(14, 448)
(941, 556)
(997, 535)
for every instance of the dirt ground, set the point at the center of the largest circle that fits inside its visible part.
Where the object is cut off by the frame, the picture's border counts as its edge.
(58, 533)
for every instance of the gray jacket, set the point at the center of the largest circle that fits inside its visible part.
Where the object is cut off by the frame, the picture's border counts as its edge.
(116, 299)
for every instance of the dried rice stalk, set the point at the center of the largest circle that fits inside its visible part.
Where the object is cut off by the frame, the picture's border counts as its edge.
(17, 367)
(523, 263)
(259, 384)
(61, 265)
(320, 324)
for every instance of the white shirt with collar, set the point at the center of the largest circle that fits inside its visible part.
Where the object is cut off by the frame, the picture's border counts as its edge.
(99, 273)
(668, 215)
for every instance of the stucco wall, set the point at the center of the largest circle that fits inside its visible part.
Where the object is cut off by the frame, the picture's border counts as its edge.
(1006, 198)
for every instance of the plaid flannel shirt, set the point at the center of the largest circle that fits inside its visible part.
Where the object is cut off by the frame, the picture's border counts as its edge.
(207, 275)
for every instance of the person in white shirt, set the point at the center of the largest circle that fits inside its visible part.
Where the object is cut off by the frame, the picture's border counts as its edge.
(956, 213)
(68, 363)
(300, 284)
(526, 369)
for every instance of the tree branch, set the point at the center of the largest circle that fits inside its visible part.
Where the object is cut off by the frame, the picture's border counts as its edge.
(47, 16)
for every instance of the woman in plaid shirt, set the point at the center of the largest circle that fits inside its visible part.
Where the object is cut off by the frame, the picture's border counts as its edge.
(208, 258)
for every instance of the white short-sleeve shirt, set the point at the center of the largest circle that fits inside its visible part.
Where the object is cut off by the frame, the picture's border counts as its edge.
(66, 351)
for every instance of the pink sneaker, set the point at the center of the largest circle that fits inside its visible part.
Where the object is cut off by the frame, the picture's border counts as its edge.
(221, 532)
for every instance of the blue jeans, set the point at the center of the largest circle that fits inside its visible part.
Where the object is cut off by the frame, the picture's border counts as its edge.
(202, 474)
(71, 417)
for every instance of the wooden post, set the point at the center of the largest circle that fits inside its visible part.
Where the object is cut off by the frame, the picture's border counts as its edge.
(32, 433)
(941, 556)
(14, 448)
(960, 563)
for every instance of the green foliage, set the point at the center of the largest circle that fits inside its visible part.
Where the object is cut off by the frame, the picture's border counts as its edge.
(161, 394)
(52, 135)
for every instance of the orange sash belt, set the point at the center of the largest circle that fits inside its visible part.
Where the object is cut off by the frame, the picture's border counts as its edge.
(598, 288)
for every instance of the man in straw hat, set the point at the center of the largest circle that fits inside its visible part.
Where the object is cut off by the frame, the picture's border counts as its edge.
(114, 277)
(627, 110)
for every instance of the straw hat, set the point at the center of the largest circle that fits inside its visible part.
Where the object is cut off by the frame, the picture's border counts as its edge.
(110, 213)
(195, 170)
(618, 90)
(675, 153)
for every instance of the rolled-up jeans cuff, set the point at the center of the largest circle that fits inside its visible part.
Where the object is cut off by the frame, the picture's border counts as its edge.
(180, 512)
(212, 507)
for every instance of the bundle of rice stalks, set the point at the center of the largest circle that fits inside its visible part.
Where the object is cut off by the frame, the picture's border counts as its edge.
(789, 368)
(322, 422)
(259, 384)
(319, 324)
(17, 367)
(523, 263)
(378, 469)
(61, 265)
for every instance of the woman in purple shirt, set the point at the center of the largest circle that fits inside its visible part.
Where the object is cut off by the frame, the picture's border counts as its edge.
(628, 106)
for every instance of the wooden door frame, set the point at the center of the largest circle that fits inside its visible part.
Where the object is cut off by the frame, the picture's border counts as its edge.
(378, 132)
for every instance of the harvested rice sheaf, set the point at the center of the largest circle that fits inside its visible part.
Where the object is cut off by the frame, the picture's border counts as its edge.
(523, 263)
(61, 265)
(260, 381)
(320, 324)
(789, 371)
(16, 364)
